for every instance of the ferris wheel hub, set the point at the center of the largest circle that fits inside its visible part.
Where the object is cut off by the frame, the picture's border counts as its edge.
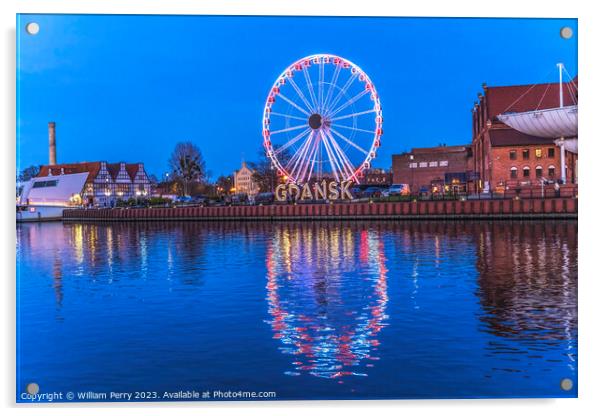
(315, 121)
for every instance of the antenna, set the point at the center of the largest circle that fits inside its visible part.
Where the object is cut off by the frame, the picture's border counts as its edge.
(560, 67)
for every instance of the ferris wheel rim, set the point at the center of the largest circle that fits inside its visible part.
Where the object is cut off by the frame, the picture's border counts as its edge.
(347, 170)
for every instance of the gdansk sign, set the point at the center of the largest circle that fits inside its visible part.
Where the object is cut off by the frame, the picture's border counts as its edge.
(331, 191)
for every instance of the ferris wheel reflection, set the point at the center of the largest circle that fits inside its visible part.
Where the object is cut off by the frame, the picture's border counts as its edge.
(327, 298)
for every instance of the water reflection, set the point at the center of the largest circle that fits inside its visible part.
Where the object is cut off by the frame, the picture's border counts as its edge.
(461, 308)
(327, 296)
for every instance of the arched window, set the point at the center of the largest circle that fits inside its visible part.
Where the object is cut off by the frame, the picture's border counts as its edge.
(513, 172)
(538, 171)
(551, 171)
(526, 172)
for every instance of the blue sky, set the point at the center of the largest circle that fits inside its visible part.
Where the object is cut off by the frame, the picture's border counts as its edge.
(128, 88)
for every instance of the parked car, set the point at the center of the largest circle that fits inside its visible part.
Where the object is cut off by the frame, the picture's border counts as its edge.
(264, 198)
(372, 192)
(397, 189)
(239, 199)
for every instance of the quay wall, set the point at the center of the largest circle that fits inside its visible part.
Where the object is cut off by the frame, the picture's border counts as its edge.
(470, 209)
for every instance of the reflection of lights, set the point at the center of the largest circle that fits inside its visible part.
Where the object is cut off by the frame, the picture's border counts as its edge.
(321, 311)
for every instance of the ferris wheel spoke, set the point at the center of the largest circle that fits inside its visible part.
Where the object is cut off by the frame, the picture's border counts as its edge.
(298, 156)
(331, 158)
(307, 165)
(345, 160)
(288, 129)
(310, 87)
(300, 93)
(343, 91)
(352, 128)
(313, 157)
(288, 116)
(364, 151)
(349, 102)
(321, 85)
(291, 141)
(353, 115)
(333, 81)
(291, 102)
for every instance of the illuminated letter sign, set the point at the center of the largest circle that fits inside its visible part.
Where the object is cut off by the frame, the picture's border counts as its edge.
(326, 191)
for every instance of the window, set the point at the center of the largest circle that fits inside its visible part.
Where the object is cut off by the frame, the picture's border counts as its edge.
(432, 164)
(538, 172)
(443, 163)
(513, 173)
(44, 184)
(423, 164)
(526, 172)
(525, 154)
(550, 152)
(538, 153)
(413, 165)
(551, 171)
(512, 154)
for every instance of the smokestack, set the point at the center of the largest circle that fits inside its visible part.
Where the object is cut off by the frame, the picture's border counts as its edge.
(52, 143)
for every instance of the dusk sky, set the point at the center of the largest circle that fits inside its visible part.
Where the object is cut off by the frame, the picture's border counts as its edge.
(128, 88)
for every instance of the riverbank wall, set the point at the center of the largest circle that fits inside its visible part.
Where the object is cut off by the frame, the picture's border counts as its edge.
(452, 210)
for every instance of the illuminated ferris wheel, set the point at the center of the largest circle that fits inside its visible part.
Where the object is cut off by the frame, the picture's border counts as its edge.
(322, 119)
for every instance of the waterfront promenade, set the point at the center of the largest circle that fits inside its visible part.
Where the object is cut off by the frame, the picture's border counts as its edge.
(470, 209)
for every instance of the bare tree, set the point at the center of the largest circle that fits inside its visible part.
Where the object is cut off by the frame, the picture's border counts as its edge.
(187, 164)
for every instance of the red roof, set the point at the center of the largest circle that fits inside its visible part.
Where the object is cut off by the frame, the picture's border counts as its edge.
(519, 98)
(511, 137)
(67, 168)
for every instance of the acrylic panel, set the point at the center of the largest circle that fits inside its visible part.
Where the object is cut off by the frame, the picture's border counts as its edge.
(295, 208)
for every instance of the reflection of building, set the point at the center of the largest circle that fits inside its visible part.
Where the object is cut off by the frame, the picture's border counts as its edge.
(505, 156)
(528, 279)
(432, 169)
(376, 177)
(243, 181)
(106, 181)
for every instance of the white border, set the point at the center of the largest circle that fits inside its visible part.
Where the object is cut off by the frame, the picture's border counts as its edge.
(590, 288)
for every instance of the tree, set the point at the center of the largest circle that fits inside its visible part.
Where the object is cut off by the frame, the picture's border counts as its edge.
(28, 173)
(264, 174)
(187, 165)
(223, 184)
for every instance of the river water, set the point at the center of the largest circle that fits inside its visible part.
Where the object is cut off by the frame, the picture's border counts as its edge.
(306, 310)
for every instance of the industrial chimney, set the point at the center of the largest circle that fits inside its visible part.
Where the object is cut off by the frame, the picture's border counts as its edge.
(52, 143)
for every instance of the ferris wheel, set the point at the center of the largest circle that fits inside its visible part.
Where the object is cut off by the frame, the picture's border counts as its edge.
(322, 119)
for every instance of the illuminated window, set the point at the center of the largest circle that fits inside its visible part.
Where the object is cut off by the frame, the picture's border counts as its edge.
(432, 164)
(538, 153)
(443, 163)
(413, 165)
(423, 164)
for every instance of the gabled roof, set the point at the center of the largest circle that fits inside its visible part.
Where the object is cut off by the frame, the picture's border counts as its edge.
(520, 98)
(511, 137)
(68, 168)
(132, 169)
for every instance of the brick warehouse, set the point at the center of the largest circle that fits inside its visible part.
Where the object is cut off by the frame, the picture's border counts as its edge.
(507, 158)
(431, 169)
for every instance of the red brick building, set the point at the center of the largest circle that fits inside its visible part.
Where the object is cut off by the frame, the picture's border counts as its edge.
(376, 177)
(507, 158)
(435, 169)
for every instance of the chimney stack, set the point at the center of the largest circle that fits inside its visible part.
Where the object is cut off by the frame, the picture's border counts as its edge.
(52, 143)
